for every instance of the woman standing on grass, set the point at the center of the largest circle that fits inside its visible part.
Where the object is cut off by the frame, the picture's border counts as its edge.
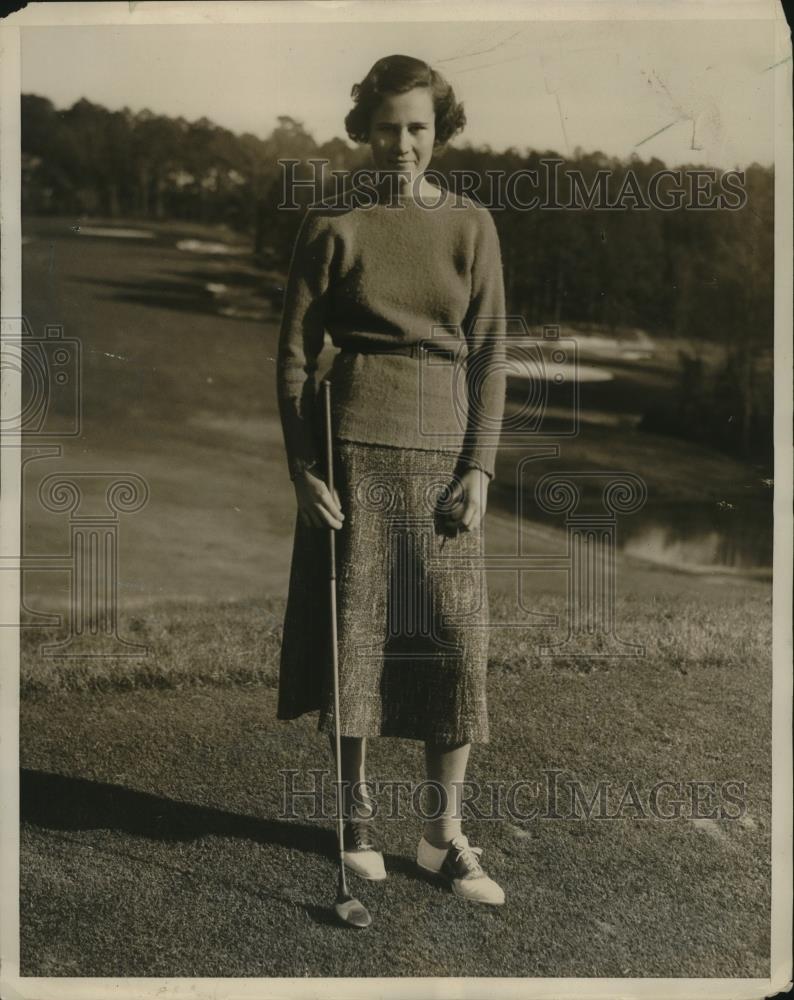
(393, 276)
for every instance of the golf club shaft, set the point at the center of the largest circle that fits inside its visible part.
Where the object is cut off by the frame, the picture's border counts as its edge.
(334, 644)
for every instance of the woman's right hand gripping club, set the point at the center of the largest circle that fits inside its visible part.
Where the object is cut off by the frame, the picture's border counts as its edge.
(317, 507)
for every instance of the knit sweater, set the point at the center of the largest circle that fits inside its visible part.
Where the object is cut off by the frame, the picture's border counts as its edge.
(392, 274)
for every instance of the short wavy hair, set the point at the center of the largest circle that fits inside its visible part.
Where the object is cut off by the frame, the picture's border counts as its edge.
(396, 75)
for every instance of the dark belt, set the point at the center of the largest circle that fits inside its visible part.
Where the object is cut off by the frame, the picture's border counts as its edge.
(421, 350)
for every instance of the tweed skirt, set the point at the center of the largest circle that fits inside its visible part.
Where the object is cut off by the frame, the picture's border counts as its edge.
(412, 605)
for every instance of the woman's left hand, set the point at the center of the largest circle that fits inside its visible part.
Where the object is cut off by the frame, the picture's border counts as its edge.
(468, 508)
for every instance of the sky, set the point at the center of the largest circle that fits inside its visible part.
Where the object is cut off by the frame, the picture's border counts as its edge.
(682, 91)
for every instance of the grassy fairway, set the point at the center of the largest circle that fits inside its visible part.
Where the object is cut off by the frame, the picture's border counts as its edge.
(197, 645)
(153, 842)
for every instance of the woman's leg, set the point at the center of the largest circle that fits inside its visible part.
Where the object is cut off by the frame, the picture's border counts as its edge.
(446, 765)
(361, 854)
(354, 762)
(444, 849)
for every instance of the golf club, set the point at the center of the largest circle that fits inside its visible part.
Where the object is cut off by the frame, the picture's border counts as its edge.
(350, 910)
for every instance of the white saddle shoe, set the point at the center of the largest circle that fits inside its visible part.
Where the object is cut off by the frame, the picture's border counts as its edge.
(360, 854)
(459, 866)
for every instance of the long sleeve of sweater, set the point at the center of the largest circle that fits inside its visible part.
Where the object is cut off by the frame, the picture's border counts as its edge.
(300, 342)
(484, 328)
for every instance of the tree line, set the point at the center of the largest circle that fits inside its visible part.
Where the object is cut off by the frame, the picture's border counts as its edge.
(695, 274)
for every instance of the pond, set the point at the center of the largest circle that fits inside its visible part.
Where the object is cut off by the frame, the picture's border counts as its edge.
(735, 535)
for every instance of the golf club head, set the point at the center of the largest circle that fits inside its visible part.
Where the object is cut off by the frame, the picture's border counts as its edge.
(352, 913)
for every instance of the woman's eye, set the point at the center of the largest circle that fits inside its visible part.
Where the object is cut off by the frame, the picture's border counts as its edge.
(395, 128)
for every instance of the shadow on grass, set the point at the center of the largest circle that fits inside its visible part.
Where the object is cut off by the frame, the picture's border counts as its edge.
(58, 802)
(188, 291)
(178, 294)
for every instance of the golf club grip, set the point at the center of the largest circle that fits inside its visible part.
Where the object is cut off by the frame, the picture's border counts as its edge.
(329, 463)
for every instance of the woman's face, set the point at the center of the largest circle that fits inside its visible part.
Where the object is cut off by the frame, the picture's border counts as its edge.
(402, 133)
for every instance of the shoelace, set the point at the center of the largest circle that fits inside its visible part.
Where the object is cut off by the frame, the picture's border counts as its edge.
(360, 836)
(469, 855)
